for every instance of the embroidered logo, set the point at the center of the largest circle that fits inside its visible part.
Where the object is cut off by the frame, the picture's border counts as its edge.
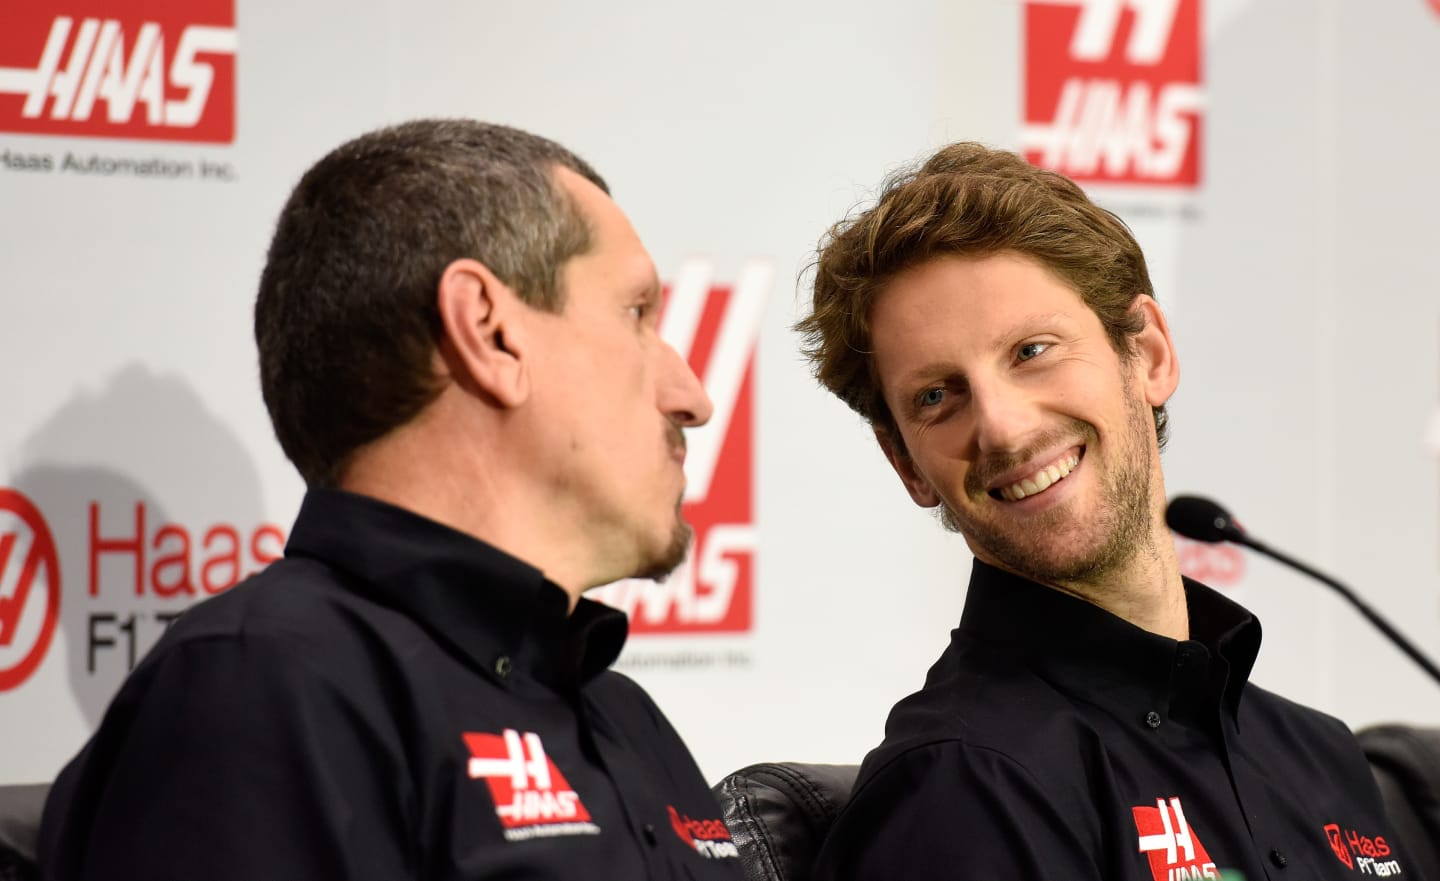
(1175, 851)
(1361, 853)
(532, 798)
(709, 838)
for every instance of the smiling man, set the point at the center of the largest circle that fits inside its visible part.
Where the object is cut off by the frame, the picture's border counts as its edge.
(1091, 718)
(458, 349)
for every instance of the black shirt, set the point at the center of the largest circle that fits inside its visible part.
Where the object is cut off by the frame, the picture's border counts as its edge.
(1055, 740)
(394, 699)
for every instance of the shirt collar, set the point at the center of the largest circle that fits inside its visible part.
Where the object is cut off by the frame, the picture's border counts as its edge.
(496, 611)
(1077, 642)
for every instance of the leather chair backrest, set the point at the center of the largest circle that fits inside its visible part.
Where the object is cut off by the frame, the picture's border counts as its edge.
(1406, 763)
(20, 808)
(778, 814)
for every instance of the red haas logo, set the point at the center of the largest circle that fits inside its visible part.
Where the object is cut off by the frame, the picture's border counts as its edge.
(1362, 853)
(1337, 844)
(709, 838)
(1174, 850)
(29, 588)
(714, 327)
(165, 71)
(532, 798)
(1112, 89)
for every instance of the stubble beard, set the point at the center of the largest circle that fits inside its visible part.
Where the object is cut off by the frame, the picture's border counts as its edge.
(663, 564)
(1122, 520)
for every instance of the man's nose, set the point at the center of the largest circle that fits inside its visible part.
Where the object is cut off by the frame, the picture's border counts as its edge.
(1005, 417)
(682, 397)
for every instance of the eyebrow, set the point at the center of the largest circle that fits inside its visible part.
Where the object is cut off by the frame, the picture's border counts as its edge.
(927, 374)
(1026, 326)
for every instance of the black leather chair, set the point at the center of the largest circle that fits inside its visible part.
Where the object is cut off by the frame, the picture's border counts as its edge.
(20, 807)
(1406, 763)
(778, 813)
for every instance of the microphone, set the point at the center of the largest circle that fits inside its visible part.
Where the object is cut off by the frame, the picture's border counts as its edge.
(1203, 520)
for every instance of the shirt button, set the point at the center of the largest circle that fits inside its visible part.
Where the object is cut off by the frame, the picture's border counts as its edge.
(650, 838)
(1152, 719)
(503, 666)
(1278, 858)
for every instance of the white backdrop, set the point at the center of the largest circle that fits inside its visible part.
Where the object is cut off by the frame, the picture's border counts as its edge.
(1298, 269)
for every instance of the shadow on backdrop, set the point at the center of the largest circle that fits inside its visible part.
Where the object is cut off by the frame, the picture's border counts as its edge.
(154, 505)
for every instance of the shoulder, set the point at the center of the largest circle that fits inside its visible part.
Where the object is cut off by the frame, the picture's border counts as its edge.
(921, 811)
(1285, 716)
(307, 607)
(296, 633)
(988, 705)
(623, 700)
(980, 735)
(1300, 741)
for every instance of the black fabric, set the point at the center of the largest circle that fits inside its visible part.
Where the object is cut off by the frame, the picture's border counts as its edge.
(1055, 740)
(779, 813)
(394, 699)
(14, 867)
(1406, 764)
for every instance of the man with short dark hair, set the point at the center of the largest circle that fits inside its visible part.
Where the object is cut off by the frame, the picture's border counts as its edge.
(458, 349)
(1091, 718)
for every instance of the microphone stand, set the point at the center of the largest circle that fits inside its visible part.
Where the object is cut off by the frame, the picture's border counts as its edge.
(1370, 614)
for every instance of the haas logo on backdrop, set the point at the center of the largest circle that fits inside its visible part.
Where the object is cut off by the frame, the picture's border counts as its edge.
(29, 588)
(154, 70)
(1217, 565)
(1112, 89)
(137, 574)
(715, 328)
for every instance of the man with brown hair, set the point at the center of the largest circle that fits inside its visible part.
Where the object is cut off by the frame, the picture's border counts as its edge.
(458, 350)
(1091, 718)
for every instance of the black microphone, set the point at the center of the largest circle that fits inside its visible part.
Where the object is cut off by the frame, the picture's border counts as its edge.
(1203, 520)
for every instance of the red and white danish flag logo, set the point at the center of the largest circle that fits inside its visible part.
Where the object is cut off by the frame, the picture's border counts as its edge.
(1175, 851)
(715, 327)
(158, 69)
(532, 798)
(1113, 90)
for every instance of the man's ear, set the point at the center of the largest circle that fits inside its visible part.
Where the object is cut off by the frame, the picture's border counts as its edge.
(915, 484)
(1157, 364)
(485, 344)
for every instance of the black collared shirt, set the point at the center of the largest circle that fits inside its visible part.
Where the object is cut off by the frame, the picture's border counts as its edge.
(392, 700)
(1053, 740)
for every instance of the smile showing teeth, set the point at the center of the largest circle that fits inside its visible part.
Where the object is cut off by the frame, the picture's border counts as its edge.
(1041, 480)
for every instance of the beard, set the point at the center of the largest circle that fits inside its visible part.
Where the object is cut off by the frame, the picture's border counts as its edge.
(666, 561)
(1119, 530)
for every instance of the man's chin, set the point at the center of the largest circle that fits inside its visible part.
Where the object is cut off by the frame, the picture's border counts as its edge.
(1061, 552)
(667, 560)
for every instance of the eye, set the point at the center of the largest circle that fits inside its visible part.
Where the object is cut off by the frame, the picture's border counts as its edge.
(931, 397)
(640, 310)
(1030, 350)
